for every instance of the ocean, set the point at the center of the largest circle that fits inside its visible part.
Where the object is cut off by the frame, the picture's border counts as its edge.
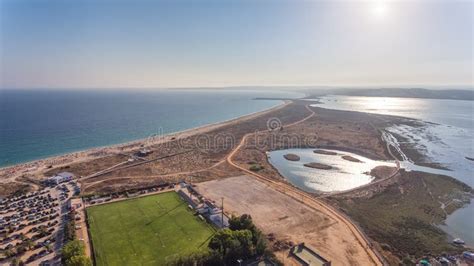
(36, 124)
(446, 138)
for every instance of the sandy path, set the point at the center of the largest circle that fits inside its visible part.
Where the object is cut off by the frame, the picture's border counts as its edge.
(158, 176)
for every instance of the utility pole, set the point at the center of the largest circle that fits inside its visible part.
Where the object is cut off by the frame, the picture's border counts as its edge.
(222, 212)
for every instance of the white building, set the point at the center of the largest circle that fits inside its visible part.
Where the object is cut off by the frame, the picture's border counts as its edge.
(61, 178)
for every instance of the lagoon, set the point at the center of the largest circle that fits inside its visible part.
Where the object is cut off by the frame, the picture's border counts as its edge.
(344, 174)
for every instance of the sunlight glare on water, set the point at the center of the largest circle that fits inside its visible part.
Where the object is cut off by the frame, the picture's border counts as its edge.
(344, 175)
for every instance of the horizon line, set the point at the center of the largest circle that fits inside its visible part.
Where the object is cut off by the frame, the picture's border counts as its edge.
(309, 86)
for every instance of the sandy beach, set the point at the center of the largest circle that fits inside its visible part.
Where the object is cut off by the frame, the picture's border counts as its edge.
(11, 174)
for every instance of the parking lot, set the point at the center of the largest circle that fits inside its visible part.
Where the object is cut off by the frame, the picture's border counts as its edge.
(31, 225)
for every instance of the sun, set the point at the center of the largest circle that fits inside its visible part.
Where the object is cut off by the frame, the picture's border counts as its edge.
(379, 8)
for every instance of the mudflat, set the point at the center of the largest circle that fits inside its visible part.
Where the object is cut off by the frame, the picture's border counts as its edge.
(324, 152)
(351, 159)
(291, 157)
(318, 166)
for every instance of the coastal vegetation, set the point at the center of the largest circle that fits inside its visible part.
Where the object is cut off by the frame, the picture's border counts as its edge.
(74, 254)
(403, 218)
(13, 189)
(255, 167)
(69, 227)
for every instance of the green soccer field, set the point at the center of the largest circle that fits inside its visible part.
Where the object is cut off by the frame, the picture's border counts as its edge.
(146, 230)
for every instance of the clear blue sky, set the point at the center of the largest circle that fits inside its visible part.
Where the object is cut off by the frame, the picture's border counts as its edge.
(104, 43)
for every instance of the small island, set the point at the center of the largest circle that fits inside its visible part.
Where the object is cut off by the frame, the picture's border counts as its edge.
(350, 158)
(325, 152)
(469, 158)
(318, 166)
(291, 157)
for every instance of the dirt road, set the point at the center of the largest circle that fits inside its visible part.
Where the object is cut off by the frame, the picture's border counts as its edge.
(312, 202)
(287, 219)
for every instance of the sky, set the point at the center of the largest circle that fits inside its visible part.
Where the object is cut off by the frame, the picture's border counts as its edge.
(148, 44)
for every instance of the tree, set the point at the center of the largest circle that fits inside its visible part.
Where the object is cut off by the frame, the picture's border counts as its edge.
(199, 258)
(71, 249)
(10, 228)
(10, 252)
(79, 260)
(29, 243)
(221, 241)
(244, 222)
(244, 238)
(42, 231)
(233, 245)
(21, 248)
(70, 231)
(241, 240)
(241, 223)
(17, 262)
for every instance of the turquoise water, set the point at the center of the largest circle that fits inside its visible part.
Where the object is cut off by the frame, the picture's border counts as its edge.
(36, 124)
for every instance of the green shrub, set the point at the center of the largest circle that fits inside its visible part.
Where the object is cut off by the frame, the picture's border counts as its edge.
(71, 249)
(79, 260)
(255, 167)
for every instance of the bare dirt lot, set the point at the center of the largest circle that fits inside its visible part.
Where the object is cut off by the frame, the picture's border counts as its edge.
(286, 218)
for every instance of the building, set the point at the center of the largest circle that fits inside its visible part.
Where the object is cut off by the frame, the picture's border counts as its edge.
(306, 256)
(219, 220)
(143, 153)
(260, 262)
(60, 178)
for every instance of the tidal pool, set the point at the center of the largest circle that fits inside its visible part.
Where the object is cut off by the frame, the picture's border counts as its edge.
(343, 175)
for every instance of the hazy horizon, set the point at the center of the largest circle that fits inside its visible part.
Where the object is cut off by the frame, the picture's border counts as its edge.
(184, 44)
(260, 87)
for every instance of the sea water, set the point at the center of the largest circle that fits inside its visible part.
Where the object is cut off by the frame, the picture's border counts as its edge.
(446, 138)
(35, 124)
